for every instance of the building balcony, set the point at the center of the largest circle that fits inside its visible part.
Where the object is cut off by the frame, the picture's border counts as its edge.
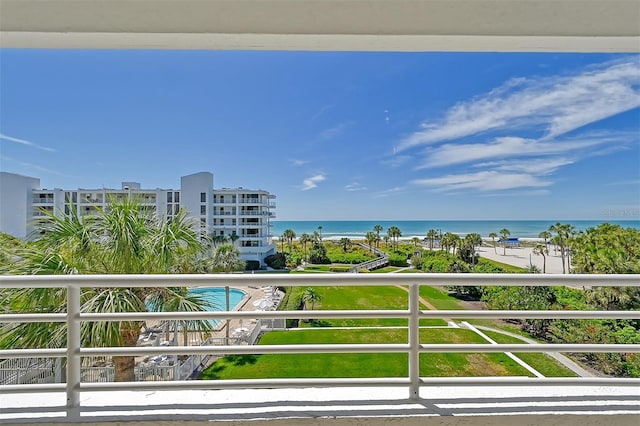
(255, 201)
(410, 397)
(38, 200)
(254, 236)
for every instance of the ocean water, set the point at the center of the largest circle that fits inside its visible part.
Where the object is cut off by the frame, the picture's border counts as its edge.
(356, 229)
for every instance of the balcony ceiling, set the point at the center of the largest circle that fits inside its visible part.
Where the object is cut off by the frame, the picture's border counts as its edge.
(395, 25)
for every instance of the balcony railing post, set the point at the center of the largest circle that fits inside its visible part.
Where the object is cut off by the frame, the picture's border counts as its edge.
(414, 341)
(73, 351)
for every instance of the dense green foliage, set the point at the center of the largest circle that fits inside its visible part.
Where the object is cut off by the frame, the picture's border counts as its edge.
(276, 261)
(125, 238)
(252, 265)
(604, 249)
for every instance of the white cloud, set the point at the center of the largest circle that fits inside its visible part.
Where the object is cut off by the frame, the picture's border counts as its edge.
(26, 142)
(482, 181)
(334, 131)
(555, 104)
(536, 166)
(32, 166)
(396, 160)
(500, 148)
(355, 186)
(389, 192)
(312, 182)
(298, 162)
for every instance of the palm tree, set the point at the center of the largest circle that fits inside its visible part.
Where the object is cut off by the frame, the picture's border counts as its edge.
(493, 236)
(289, 235)
(310, 295)
(378, 229)
(432, 235)
(217, 240)
(226, 259)
(504, 233)
(563, 233)
(541, 249)
(415, 241)
(320, 232)
(546, 235)
(394, 233)
(370, 238)
(345, 243)
(121, 239)
(455, 242)
(470, 242)
(304, 240)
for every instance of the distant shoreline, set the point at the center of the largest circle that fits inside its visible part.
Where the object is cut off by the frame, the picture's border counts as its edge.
(356, 230)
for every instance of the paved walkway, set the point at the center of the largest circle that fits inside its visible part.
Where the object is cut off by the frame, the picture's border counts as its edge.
(562, 359)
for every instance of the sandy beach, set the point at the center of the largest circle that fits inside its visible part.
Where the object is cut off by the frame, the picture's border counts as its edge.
(523, 257)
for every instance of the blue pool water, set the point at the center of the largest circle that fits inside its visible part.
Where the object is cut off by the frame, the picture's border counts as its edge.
(216, 296)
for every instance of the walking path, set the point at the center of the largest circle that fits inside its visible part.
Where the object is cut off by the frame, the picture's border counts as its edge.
(562, 359)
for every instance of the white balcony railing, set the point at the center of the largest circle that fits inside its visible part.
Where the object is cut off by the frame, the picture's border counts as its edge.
(74, 351)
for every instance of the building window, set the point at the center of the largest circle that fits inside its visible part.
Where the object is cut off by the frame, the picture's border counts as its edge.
(169, 197)
(203, 222)
(203, 209)
(176, 197)
(203, 197)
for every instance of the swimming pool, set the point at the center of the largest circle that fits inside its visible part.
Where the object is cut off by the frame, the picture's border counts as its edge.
(216, 297)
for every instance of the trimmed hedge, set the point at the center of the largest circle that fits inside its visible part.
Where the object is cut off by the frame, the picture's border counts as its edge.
(252, 265)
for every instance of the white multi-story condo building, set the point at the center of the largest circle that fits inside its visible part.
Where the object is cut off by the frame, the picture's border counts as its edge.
(244, 215)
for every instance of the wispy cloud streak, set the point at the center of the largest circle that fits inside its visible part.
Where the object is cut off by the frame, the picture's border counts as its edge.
(482, 181)
(32, 166)
(26, 143)
(508, 147)
(557, 105)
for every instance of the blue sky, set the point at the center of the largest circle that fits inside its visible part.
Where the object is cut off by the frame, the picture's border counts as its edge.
(337, 135)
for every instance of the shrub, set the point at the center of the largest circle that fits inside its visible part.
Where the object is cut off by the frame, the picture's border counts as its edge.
(397, 260)
(318, 254)
(276, 261)
(339, 268)
(252, 265)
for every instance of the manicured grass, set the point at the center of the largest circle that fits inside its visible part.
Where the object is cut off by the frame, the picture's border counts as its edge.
(376, 365)
(364, 298)
(317, 268)
(506, 267)
(386, 269)
(362, 365)
(546, 365)
(439, 298)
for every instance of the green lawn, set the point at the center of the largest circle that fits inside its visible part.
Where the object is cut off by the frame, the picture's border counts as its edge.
(363, 365)
(377, 365)
(541, 362)
(439, 298)
(364, 298)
